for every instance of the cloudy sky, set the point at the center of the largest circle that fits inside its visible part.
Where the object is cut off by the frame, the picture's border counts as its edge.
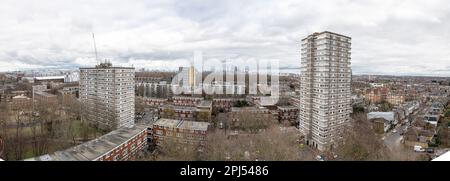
(388, 37)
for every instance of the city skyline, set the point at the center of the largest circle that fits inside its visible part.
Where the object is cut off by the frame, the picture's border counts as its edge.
(389, 38)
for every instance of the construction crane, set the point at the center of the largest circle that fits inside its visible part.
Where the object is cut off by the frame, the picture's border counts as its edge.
(95, 48)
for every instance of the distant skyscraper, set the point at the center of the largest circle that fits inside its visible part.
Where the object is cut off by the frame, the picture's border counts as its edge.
(192, 77)
(325, 90)
(73, 76)
(107, 94)
(188, 79)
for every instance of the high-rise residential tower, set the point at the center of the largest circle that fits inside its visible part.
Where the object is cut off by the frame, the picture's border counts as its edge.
(107, 96)
(325, 88)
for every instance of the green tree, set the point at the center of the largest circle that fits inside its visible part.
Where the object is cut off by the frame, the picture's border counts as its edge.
(358, 109)
(240, 103)
(447, 114)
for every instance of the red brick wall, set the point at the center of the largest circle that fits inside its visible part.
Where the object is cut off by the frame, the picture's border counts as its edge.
(139, 141)
(185, 134)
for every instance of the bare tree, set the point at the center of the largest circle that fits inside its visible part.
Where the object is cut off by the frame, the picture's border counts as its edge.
(139, 104)
(4, 118)
(172, 150)
(443, 135)
(252, 122)
(271, 144)
(140, 90)
(73, 115)
(360, 142)
(221, 119)
(46, 127)
(18, 145)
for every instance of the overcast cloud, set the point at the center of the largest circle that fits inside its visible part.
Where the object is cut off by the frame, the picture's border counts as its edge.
(388, 37)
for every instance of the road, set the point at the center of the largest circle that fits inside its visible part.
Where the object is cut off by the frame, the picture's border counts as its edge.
(393, 140)
(149, 117)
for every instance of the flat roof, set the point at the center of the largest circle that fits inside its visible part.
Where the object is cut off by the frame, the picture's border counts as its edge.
(319, 33)
(190, 125)
(70, 87)
(20, 96)
(287, 107)
(49, 77)
(205, 103)
(227, 99)
(194, 125)
(81, 68)
(155, 99)
(248, 108)
(45, 94)
(37, 86)
(167, 122)
(187, 108)
(390, 116)
(93, 149)
(186, 97)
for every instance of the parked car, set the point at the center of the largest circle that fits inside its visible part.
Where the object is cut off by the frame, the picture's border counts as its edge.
(35, 114)
(319, 158)
(419, 149)
(430, 150)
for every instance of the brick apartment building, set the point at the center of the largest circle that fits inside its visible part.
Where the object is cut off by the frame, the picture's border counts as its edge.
(288, 114)
(44, 97)
(186, 101)
(224, 104)
(380, 94)
(395, 99)
(69, 92)
(258, 113)
(177, 112)
(376, 95)
(180, 131)
(21, 102)
(155, 102)
(119, 145)
(202, 111)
